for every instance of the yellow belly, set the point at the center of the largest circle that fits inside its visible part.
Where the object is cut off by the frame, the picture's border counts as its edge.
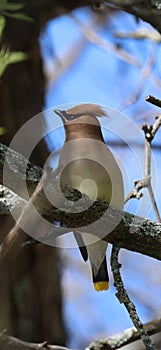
(89, 178)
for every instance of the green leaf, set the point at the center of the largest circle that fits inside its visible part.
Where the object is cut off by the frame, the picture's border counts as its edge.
(4, 5)
(7, 58)
(15, 57)
(12, 7)
(2, 25)
(3, 60)
(19, 16)
(2, 130)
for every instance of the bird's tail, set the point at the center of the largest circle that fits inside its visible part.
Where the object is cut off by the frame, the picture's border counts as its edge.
(101, 278)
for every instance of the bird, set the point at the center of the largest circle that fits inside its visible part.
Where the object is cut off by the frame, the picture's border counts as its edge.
(89, 166)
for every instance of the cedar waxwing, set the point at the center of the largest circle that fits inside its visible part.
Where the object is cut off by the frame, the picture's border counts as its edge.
(89, 166)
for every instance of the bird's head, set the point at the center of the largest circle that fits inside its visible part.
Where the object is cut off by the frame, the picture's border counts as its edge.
(85, 113)
(81, 121)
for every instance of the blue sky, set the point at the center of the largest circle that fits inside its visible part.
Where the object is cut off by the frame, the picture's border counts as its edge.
(98, 76)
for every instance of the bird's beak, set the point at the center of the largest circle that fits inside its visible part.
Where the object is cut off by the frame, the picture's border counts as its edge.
(61, 114)
(66, 117)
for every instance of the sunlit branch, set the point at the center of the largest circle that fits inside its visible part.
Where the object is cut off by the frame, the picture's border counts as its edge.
(146, 181)
(128, 336)
(133, 232)
(140, 34)
(124, 299)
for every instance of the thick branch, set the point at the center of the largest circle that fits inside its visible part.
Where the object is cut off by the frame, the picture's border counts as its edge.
(147, 10)
(9, 200)
(15, 163)
(114, 342)
(11, 343)
(126, 337)
(132, 232)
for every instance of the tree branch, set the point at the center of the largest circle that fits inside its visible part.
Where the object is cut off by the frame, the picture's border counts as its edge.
(124, 299)
(15, 164)
(9, 200)
(147, 10)
(132, 232)
(149, 132)
(11, 343)
(114, 342)
(140, 34)
(128, 336)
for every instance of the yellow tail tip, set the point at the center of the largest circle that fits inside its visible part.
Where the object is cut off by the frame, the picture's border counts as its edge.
(101, 286)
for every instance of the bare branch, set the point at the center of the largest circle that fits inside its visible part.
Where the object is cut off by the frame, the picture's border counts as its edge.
(124, 298)
(128, 336)
(114, 342)
(133, 233)
(9, 200)
(142, 33)
(149, 135)
(11, 343)
(15, 164)
(91, 35)
(148, 11)
(146, 181)
(155, 101)
(145, 73)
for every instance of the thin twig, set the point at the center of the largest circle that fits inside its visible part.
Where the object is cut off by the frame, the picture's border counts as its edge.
(157, 125)
(146, 181)
(153, 100)
(149, 136)
(135, 193)
(142, 33)
(124, 298)
(154, 203)
(91, 35)
(145, 73)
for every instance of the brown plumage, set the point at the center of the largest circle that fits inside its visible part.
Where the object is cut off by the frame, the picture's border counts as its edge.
(83, 126)
(89, 166)
(87, 109)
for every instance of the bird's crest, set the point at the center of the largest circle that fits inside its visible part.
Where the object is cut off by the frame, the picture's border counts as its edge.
(87, 109)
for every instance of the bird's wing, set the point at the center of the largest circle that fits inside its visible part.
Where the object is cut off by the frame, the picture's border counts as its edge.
(82, 247)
